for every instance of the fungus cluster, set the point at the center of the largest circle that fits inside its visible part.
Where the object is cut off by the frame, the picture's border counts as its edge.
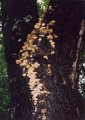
(30, 63)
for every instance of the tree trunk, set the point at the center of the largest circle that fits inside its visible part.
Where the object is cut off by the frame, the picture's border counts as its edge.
(19, 17)
(50, 60)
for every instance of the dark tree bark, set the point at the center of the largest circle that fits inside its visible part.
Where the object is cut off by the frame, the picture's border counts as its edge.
(19, 17)
(50, 59)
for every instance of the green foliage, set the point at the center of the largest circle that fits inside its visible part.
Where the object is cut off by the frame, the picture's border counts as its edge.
(4, 83)
(42, 4)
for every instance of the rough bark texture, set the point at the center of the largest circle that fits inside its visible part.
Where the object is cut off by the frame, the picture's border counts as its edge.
(50, 60)
(19, 17)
